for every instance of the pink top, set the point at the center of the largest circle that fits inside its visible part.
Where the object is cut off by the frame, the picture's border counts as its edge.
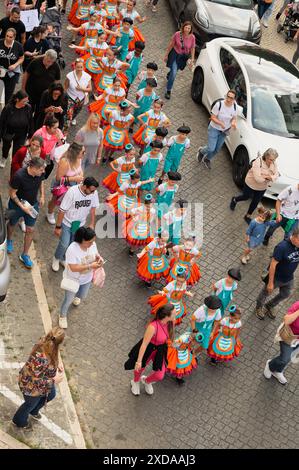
(189, 43)
(161, 335)
(50, 141)
(74, 172)
(295, 325)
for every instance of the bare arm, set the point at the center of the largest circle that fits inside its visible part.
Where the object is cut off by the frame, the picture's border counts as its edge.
(149, 333)
(272, 269)
(24, 80)
(288, 319)
(92, 217)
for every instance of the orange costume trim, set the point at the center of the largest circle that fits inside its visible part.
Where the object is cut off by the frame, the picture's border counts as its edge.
(227, 332)
(143, 266)
(193, 271)
(72, 18)
(174, 361)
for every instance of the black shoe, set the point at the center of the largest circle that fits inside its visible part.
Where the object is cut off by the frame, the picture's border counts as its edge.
(37, 417)
(111, 159)
(73, 41)
(278, 16)
(266, 242)
(213, 361)
(180, 381)
(131, 130)
(160, 181)
(167, 95)
(168, 75)
(247, 219)
(131, 252)
(148, 285)
(62, 11)
(167, 253)
(206, 163)
(233, 204)
(104, 160)
(200, 156)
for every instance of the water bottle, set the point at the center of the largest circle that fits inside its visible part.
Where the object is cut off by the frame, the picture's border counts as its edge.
(33, 212)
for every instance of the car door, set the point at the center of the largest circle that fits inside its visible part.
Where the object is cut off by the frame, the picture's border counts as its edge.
(235, 80)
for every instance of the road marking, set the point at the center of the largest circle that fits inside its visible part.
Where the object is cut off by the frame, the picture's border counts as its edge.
(54, 428)
(47, 322)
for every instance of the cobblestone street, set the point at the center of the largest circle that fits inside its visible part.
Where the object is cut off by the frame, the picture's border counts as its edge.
(228, 406)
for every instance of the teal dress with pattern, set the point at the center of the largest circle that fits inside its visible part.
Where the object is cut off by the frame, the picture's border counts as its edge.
(144, 103)
(132, 72)
(149, 169)
(123, 42)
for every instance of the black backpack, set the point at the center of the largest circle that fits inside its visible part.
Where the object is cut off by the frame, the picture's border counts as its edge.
(220, 104)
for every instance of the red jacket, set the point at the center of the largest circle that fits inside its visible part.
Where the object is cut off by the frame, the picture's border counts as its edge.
(18, 158)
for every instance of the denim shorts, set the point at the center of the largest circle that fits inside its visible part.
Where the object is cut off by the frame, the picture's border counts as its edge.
(18, 213)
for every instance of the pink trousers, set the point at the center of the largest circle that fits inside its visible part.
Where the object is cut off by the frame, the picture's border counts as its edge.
(155, 376)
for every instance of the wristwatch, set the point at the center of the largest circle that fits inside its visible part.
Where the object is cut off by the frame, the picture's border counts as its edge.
(58, 226)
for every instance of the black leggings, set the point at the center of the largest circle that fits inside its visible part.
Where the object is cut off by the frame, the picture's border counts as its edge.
(17, 142)
(252, 194)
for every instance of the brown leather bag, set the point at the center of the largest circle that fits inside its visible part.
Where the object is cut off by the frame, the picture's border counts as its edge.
(286, 334)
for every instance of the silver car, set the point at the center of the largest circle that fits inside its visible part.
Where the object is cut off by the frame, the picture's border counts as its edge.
(4, 261)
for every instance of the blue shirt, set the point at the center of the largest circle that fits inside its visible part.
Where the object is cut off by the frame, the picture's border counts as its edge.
(257, 231)
(287, 256)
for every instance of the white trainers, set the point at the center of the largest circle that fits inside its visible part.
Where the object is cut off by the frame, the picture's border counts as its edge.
(62, 262)
(2, 163)
(148, 387)
(55, 264)
(265, 23)
(74, 122)
(63, 322)
(244, 260)
(76, 301)
(22, 225)
(51, 218)
(267, 371)
(247, 258)
(280, 377)
(135, 388)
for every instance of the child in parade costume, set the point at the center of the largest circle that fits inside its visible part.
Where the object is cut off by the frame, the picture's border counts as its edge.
(90, 54)
(116, 135)
(126, 198)
(130, 12)
(125, 34)
(144, 99)
(173, 221)
(151, 68)
(173, 293)
(110, 67)
(90, 30)
(99, 8)
(225, 344)
(151, 120)
(186, 256)
(205, 320)
(121, 170)
(108, 101)
(225, 288)
(149, 163)
(177, 145)
(134, 58)
(79, 12)
(139, 229)
(166, 192)
(112, 13)
(159, 136)
(181, 360)
(152, 262)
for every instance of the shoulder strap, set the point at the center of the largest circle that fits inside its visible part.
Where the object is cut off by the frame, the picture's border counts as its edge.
(182, 41)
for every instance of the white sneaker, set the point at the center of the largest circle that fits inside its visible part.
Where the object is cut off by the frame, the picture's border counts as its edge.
(55, 264)
(76, 301)
(51, 218)
(265, 23)
(2, 163)
(148, 387)
(247, 258)
(135, 388)
(267, 371)
(244, 260)
(62, 262)
(22, 225)
(280, 377)
(63, 322)
(74, 122)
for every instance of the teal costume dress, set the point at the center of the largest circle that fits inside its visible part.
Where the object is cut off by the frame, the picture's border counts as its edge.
(123, 42)
(225, 295)
(175, 229)
(132, 72)
(149, 169)
(165, 197)
(175, 154)
(205, 328)
(144, 103)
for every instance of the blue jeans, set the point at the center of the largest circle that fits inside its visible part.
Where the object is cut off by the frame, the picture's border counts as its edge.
(269, 11)
(31, 405)
(69, 297)
(66, 238)
(172, 75)
(262, 8)
(278, 363)
(216, 139)
(282, 223)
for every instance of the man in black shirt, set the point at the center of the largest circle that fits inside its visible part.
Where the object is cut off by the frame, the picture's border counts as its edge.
(39, 75)
(23, 202)
(11, 58)
(13, 21)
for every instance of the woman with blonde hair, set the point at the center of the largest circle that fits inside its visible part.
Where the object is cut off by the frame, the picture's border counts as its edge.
(38, 377)
(91, 136)
(69, 172)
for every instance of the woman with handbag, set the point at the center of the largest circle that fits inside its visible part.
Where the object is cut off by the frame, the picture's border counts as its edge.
(288, 337)
(81, 260)
(11, 59)
(38, 377)
(15, 124)
(69, 172)
(77, 86)
(23, 156)
(91, 136)
(180, 52)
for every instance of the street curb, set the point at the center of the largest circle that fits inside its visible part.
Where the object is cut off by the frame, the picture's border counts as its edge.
(7, 441)
(68, 403)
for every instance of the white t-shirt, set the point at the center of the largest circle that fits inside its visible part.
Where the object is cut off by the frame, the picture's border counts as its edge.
(173, 140)
(75, 255)
(110, 91)
(77, 205)
(74, 81)
(127, 185)
(147, 155)
(226, 322)
(162, 188)
(289, 198)
(226, 114)
(133, 14)
(200, 315)
(171, 287)
(172, 217)
(219, 286)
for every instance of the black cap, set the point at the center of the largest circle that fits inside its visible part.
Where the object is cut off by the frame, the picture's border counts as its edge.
(151, 82)
(174, 176)
(129, 20)
(152, 66)
(213, 302)
(235, 273)
(161, 131)
(156, 145)
(184, 129)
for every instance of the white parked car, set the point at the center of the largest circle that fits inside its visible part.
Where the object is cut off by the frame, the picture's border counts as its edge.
(267, 87)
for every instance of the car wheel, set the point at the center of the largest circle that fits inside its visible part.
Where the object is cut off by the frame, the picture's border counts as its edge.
(240, 166)
(2, 297)
(197, 86)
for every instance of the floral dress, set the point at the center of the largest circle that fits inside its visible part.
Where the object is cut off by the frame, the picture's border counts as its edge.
(36, 378)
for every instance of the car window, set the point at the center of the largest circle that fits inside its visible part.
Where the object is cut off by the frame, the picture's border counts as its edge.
(2, 224)
(234, 77)
(244, 4)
